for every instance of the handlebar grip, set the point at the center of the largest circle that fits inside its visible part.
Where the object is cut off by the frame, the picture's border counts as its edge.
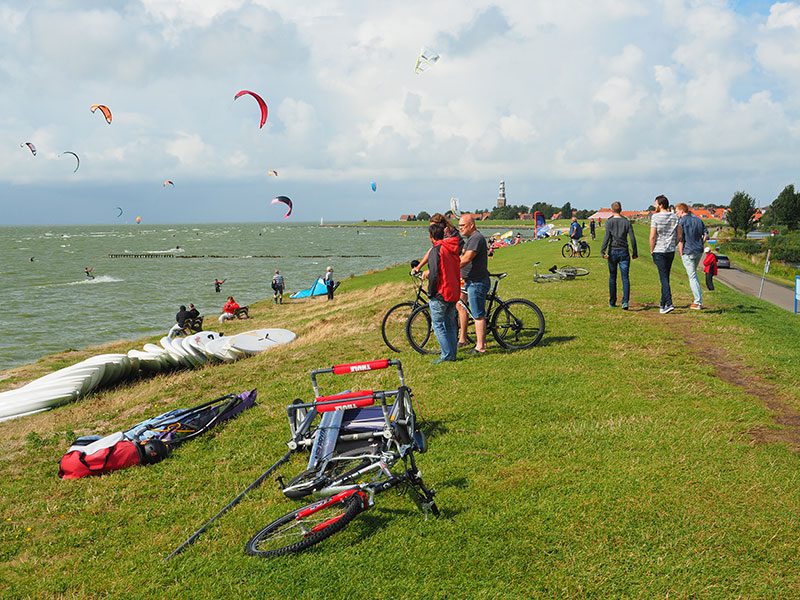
(371, 365)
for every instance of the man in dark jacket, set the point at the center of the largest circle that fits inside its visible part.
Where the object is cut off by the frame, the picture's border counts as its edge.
(180, 321)
(444, 290)
(615, 250)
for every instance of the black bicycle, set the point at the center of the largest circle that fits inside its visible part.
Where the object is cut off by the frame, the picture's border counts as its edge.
(583, 251)
(515, 324)
(393, 326)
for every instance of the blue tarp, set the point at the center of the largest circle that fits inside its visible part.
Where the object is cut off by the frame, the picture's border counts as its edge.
(318, 289)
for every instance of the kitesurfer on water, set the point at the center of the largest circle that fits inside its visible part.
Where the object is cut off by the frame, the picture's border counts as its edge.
(278, 285)
(89, 271)
(217, 283)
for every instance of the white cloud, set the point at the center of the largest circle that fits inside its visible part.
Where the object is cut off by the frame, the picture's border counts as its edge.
(532, 89)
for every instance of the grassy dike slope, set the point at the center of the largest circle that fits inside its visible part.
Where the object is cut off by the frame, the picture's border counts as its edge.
(632, 454)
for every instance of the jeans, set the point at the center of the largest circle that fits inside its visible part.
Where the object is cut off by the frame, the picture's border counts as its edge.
(690, 262)
(710, 281)
(663, 261)
(622, 259)
(477, 292)
(444, 319)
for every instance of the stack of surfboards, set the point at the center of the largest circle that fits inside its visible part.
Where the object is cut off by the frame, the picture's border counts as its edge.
(79, 380)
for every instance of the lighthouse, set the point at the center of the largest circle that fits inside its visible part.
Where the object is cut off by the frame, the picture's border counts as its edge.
(501, 195)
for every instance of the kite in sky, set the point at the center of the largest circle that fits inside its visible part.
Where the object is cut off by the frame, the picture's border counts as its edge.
(261, 104)
(454, 207)
(283, 200)
(120, 212)
(30, 146)
(77, 166)
(272, 173)
(167, 182)
(426, 59)
(374, 186)
(103, 109)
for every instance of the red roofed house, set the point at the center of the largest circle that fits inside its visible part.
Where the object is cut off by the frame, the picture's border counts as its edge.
(408, 217)
(603, 213)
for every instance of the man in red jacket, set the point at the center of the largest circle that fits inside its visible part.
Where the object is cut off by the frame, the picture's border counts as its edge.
(444, 290)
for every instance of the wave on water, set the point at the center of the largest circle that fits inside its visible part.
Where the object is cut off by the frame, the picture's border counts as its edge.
(99, 279)
(171, 251)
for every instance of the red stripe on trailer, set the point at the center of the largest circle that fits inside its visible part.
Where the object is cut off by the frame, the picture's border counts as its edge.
(345, 401)
(371, 365)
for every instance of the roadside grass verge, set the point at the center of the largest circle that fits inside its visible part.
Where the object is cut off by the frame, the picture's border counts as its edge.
(615, 459)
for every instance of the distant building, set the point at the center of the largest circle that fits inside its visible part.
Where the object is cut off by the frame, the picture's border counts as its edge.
(603, 213)
(408, 217)
(501, 195)
(525, 216)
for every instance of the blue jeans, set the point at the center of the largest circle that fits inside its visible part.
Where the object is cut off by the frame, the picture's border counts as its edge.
(622, 259)
(663, 262)
(444, 320)
(690, 263)
(477, 292)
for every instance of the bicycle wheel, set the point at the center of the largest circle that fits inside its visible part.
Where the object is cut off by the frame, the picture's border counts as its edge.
(585, 251)
(290, 533)
(577, 271)
(393, 326)
(311, 480)
(420, 333)
(517, 324)
(566, 250)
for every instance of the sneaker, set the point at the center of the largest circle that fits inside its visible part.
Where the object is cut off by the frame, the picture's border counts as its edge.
(696, 306)
(612, 305)
(624, 306)
(667, 309)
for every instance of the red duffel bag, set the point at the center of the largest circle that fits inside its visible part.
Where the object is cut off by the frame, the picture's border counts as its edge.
(107, 454)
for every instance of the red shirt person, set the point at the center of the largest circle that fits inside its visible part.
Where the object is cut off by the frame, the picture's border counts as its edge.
(710, 267)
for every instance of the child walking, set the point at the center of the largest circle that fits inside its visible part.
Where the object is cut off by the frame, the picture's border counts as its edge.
(710, 267)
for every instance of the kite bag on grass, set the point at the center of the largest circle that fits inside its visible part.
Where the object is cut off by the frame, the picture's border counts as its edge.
(150, 441)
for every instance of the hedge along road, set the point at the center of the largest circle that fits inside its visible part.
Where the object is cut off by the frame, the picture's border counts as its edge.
(748, 283)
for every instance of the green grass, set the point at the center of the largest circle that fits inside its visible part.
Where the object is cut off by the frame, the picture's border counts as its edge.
(610, 461)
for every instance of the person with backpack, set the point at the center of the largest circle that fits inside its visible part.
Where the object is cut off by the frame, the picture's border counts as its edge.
(278, 285)
(575, 234)
(710, 267)
(444, 290)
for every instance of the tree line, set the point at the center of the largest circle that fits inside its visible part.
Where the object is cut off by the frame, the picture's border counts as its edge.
(783, 212)
(512, 212)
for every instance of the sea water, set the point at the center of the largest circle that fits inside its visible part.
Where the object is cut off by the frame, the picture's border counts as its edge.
(142, 273)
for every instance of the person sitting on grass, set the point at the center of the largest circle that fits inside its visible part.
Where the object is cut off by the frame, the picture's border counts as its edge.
(229, 310)
(180, 321)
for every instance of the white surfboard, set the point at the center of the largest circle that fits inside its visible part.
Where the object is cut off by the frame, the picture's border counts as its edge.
(261, 340)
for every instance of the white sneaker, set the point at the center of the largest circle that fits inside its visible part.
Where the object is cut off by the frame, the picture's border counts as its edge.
(667, 309)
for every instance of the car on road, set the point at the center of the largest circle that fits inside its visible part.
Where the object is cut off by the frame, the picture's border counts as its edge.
(723, 262)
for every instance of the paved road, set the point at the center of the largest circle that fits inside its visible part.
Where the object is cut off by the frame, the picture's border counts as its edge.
(748, 283)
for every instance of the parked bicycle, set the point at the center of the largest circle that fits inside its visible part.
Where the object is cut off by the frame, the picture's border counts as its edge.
(393, 325)
(583, 251)
(515, 324)
(356, 449)
(558, 273)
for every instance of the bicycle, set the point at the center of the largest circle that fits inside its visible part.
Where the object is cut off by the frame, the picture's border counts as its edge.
(583, 251)
(515, 324)
(393, 325)
(354, 448)
(558, 273)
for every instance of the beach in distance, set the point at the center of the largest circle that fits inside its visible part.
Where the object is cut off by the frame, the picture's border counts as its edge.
(142, 273)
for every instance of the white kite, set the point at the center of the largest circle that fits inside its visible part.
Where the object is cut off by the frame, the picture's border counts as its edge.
(426, 59)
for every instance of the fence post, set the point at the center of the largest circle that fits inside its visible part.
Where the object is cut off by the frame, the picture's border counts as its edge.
(764, 275)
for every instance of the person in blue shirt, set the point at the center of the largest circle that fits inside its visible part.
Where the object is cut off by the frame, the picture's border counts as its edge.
(575, 234)
(693, 237)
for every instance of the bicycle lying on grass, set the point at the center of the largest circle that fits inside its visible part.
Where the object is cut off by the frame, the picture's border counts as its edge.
(515, 324)
(362, 444)
(558, 273)
(583, 251)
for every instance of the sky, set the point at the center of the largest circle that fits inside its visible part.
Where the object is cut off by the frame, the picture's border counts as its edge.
(586, 102)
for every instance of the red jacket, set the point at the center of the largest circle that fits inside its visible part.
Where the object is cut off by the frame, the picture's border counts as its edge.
(230, 307)
(444, 264)
(710, 263)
